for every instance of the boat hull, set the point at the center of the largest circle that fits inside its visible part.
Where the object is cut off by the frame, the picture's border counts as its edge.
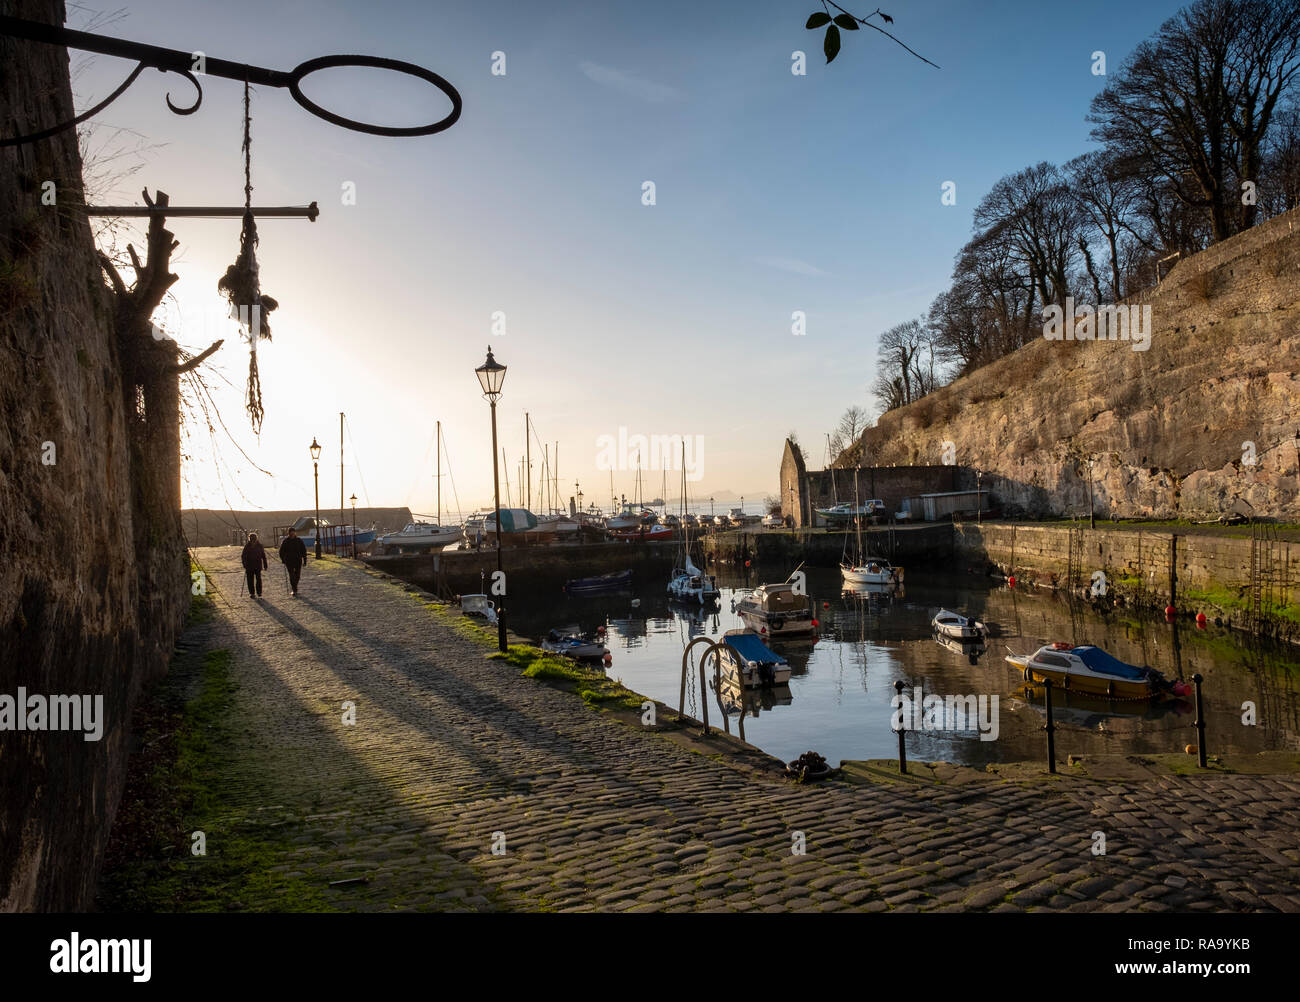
(776, 626)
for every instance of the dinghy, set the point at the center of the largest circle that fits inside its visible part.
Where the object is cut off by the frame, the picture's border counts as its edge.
(950, 624)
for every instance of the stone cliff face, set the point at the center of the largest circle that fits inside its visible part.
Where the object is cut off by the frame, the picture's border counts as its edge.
(93, 572)
(1206, 420)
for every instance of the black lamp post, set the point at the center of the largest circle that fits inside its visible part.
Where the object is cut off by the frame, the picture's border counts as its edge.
(491, 374)
(353, 499)
(315, 463)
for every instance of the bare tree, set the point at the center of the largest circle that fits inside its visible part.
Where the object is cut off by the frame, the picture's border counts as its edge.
(1192, 106)
(851, 425)
(1037, 217)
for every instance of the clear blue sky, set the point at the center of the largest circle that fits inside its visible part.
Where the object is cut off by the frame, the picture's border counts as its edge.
(775, 193)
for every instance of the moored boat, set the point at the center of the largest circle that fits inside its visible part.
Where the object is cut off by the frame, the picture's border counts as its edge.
(749, 663)
(570, 643)
(777, 610)
(599, 584)
(1091, 670)
(420, 536)
(479, 606)
(950, 624)
(871, 571)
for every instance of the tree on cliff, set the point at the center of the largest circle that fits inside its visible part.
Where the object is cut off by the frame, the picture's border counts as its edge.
(1190, 109)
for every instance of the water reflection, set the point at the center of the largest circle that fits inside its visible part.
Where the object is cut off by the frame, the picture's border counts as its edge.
(838, 700)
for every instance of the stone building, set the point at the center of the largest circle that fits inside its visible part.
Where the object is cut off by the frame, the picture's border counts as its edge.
(803, 490)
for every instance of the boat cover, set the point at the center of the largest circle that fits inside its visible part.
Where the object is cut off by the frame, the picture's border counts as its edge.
(750, 647)
(1102, 663)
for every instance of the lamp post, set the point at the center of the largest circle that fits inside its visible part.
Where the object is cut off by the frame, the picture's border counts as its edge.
(491, 374)
(353, 499)
(579, 490)
(315, 463)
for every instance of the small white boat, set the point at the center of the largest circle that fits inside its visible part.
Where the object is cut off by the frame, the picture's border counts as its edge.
(628, 518)
(750, 663)
(950, 624)
(571, 644)
(776, 610)
(772, 522)
(873, 571)
(421, 535)
(690, 584)
(480, 607)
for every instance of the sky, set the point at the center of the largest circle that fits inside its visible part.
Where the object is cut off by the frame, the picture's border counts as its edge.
(775, 194)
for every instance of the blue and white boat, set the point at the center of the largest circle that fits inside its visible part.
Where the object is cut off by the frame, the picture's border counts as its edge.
(749, 661)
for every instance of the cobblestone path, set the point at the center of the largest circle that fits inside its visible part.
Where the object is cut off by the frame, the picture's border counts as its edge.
(450, 747)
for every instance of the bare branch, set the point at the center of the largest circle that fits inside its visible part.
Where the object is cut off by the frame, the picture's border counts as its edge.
(197, 360)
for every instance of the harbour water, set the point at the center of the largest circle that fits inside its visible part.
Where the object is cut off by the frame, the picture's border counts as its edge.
(838, 702)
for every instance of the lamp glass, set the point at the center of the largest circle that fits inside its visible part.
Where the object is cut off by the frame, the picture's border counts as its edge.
(491, 374)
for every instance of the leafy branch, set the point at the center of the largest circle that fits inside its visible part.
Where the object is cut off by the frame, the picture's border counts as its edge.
(849, 22)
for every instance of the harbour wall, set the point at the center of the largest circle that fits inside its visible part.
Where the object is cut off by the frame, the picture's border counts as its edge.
(467, 572)
(924, 544)
(1250, 582)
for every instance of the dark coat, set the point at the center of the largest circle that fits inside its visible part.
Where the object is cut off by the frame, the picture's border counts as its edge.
(293, 551)
(254, 556)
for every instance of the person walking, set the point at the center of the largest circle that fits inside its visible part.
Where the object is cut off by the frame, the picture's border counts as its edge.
(254, 560)
(293, 554)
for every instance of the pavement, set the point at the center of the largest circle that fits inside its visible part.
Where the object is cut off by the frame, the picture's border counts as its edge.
(464, 786)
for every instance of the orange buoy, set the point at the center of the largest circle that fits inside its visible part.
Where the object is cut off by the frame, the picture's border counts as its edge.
(1200, 619)
(609, 659)
(1011, 581)
(1190, 749)
(826, 605)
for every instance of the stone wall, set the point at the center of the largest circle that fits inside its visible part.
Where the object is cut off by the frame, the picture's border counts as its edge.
(803, 490)
(1171, 431)
(1219, 574)
(93, 572)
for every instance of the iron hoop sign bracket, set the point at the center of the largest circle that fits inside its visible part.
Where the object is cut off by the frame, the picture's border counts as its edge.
(175, 61)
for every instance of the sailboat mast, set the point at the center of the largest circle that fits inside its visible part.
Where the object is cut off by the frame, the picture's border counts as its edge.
(528, 462)
(438, 434)
(342, 519)
(506, 467)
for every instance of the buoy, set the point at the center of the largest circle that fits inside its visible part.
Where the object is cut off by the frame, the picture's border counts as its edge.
(1011, 581)
(815, 624)
(763, 630)
(746, 563)
(1170, 611)
(826, 605)
(1190, 749)
(600, 629)
(609, 659)
(1200, 619)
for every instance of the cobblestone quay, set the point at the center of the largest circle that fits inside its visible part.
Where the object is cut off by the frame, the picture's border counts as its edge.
(453, 752)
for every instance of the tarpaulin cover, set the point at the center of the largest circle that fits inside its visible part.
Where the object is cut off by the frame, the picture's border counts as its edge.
(751, 648)
(1101, 662)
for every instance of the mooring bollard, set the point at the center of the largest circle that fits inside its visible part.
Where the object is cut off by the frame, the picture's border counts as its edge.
(1050, 728)
(902, 731)
(1200, 721)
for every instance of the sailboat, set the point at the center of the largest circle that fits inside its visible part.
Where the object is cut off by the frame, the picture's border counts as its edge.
(688, 583)
(863, 569)
(418, 536)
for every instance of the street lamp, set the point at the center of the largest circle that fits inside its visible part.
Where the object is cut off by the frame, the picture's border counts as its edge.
(579, 490)
(353, 499)
(315, 463)
(491, 374)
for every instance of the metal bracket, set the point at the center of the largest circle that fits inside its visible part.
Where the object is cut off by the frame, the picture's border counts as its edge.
(175, 61)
